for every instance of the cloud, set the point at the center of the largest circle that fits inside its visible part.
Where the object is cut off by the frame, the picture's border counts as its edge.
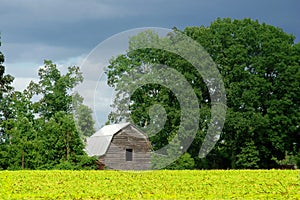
(60, 10)
(21, 83)
(22, 69)
(35, 52)
(59, 28)
(65, 11)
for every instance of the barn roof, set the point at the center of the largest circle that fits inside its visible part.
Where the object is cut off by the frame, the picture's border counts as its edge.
(98, 143)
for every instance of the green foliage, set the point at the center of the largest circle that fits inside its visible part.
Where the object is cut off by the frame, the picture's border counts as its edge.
(183, 162)
(83, 117)
(289, 160)
(62, 141)
(42, 134)
(249, 157)
(23, 148)
(297, 158)
(83, 162)
(64, 165)
(55, 89)
(170, 161)
(260, 66)
(5, 89)
(5, 80)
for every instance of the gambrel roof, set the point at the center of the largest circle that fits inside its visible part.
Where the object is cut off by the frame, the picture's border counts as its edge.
(99, 142)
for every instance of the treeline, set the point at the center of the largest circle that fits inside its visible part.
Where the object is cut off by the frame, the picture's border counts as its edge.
(260, 66)
(37, 126)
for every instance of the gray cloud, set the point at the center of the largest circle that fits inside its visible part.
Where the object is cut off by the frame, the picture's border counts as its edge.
(62, 24)
(60, 10)
(33, 30)
(35, 52)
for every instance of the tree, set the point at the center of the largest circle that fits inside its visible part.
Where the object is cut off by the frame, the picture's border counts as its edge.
(261, 74)
(5, 89)
(55, 89)
(259, 64)
(5, 80)
(153, 104)
(249, 156)
(21, 144)
(42, 134)
(61, 142)
(83, 117)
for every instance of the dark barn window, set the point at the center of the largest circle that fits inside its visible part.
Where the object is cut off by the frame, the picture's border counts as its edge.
(128, 154)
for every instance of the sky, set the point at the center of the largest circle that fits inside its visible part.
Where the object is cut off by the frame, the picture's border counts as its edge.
(67, 31)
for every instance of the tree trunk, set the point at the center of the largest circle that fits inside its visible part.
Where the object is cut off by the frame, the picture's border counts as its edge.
(23, 160)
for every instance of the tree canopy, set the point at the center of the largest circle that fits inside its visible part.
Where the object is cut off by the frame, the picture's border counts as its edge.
(259, 64)
(42, 134)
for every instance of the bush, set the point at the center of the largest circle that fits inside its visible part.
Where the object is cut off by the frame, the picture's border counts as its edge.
(249, 157)
(64, 165)
(297, 158)
(184, 162)
(86, 163)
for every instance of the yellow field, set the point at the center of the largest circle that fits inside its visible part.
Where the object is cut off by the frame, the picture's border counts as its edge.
(202, 184)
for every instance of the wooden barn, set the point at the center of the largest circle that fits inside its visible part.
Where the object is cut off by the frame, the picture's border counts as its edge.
(120, 146)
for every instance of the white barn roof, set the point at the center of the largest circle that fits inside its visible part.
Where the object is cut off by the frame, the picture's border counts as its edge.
(98, 143)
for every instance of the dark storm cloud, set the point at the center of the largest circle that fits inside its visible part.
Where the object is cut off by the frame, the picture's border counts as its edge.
(32, 30)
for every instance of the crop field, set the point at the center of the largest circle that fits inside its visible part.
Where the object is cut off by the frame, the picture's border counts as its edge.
(202, 184)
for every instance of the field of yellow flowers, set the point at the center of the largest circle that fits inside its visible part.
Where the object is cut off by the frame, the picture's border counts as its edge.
(162, 184)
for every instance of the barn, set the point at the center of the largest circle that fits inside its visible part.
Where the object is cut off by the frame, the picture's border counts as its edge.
(120, 146)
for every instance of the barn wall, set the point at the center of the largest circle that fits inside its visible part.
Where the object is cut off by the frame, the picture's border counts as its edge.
(129, 138)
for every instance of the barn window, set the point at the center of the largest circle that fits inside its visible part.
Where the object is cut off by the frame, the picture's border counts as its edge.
(128, 154)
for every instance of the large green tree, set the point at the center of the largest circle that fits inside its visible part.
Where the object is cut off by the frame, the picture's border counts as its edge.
(55, 89)
(61, 140)
(259, 64)
(5, 89)
(42, 134)
(21, 145)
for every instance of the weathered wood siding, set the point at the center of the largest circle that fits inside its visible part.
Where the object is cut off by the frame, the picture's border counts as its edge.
(129, 138)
